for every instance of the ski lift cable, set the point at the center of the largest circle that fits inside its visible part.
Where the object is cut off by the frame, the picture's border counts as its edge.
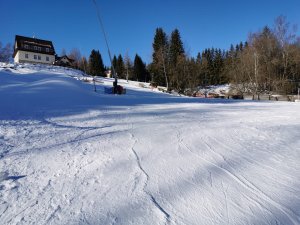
(105, 37)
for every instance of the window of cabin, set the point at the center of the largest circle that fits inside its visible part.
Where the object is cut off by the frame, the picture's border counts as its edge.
(26, 56)
(47, 50)
(39, 57)
(26, 46)
(47, 58)
(35, 56)
(35, 48)
(40, 49)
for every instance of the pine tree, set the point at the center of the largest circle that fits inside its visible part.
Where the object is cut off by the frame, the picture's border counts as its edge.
(199, 58)
(210, 66)
(176, 61)
(160, 43)
(114, 62)
(199, 69)
(96, 66)
(232, 51)
(218, 67)
(176, 47)
(160, 57)
(120, 67)
(237, 49)
(204, 68)
(241, 46)
(139, 69)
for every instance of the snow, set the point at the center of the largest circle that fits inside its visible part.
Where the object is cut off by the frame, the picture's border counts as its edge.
(69, 155)
(216, 89)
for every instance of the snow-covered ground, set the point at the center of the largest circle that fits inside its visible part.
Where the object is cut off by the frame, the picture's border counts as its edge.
(69, 155)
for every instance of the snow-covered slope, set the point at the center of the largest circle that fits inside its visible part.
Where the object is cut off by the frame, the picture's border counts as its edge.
(69, 155)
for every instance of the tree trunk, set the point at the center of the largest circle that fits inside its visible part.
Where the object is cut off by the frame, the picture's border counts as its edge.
(165, 71)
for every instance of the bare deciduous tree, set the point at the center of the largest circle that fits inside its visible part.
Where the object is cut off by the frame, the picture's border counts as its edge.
(6, 53)
(76, 56)
(128, 65)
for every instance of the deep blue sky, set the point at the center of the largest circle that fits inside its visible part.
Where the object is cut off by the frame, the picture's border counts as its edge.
(130, 24)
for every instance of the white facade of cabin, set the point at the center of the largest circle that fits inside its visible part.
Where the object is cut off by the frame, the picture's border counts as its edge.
(32, 57)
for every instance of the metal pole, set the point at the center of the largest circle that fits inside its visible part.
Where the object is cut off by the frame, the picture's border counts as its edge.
(105, 38)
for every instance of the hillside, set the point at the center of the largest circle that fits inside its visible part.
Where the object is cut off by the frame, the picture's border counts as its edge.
(69, 155)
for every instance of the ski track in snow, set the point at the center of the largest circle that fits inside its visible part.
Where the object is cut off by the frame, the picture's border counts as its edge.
(157, 205)
(75, 142)
(246, 183)
(250, 187)
(144, 158)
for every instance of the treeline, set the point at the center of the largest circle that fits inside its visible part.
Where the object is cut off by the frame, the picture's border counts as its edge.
(269, 62)
(172, 67)
(124, 67)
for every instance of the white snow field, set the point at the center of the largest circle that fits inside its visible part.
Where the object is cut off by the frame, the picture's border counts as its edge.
(69, 155)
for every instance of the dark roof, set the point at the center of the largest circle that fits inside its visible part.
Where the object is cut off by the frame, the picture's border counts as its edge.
(29, 44)
(64, 56)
